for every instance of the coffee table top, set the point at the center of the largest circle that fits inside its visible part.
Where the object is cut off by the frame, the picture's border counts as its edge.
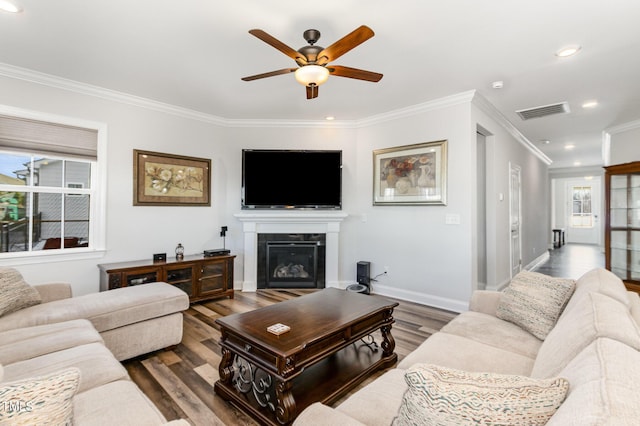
(312, 317)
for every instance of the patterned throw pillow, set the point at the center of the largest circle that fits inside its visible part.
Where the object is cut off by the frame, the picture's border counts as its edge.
(15, 293)
(534, 301)
(40, 400)
(440, 396)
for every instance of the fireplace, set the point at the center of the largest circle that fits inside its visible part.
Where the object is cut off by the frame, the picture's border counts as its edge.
(291, 260)
(282, 222)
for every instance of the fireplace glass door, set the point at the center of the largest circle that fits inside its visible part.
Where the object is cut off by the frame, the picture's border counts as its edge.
(291, 264)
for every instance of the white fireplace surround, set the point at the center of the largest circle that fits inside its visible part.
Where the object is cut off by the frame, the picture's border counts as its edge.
(289, 222)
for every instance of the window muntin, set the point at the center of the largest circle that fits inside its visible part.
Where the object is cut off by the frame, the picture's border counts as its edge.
(45, 202)
(581, 214)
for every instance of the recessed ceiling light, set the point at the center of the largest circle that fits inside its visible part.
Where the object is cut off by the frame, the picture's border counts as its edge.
(497, 84)
(590, 104)
(577, 163)
(545, 141)
(9, 6)
(569, 146)
(329, 118)
(588, 178)
(568, 51)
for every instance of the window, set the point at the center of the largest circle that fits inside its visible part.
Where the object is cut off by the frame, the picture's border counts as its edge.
(38, 208)
(581, 215)
(50, 193)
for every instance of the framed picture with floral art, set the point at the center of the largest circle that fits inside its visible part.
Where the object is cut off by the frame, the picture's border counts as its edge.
(411, 175)
(170, 180)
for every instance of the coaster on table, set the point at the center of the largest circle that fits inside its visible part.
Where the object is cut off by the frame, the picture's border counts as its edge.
(278, 329)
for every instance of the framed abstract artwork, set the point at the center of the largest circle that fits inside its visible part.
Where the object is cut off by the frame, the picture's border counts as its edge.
(411, 175)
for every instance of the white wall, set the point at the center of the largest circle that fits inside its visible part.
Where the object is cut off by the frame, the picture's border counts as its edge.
(428, 261)
(132, 232)
(625, 145)
(502, 149)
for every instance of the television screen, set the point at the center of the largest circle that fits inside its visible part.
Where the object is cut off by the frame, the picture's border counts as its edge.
(288, 179)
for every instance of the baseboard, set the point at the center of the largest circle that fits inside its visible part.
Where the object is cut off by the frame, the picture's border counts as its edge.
(422, 298)
(538, 261)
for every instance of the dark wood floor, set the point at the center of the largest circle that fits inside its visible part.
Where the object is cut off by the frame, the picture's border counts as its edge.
(180, 381)
(572, 260)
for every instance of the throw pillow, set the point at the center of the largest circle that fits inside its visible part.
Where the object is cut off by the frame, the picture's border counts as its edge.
(534, 301)
(15, 293)
(440, 396)
(40, 400)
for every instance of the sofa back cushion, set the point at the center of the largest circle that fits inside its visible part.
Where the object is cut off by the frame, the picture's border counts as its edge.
(534, 301)
(597, 316)
(444, 396)
(604, 386)
(598, 281)
(15, 293)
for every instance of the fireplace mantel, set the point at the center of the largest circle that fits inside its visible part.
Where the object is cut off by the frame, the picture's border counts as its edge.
(307, 222)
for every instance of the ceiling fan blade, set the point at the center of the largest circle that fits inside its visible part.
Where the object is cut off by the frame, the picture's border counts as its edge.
(345, 44)
(356, 73)
(312, 91)
(272, 41)
(269, 74)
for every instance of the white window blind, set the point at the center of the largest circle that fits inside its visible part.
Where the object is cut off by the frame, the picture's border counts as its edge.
(27, 135)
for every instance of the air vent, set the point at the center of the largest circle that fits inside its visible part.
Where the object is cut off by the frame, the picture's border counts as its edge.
(543, 111)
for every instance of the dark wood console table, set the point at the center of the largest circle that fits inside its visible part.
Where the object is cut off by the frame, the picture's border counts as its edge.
(200, 277)
(328, 351)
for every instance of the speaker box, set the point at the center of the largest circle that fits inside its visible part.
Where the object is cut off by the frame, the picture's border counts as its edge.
(363, 274)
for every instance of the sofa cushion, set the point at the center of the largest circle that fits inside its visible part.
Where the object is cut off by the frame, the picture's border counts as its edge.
(443, 396)
(598, 281)
(450, 350)
(26, 343)
(377, 403)
(535, 301)
(106, 310)
(40, 400)
(96, 364)
(15, 293)
(604, 386)
(598, 316)
(504, 335)
(117, 403)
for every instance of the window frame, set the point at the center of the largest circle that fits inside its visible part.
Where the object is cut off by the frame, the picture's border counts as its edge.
(581, 215)
(98, 194)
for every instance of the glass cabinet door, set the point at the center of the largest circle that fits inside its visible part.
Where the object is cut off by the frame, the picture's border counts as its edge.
(623, 227)
(213, 277)
(181, 277)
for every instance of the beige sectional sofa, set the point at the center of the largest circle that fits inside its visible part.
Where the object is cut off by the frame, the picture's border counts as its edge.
(85, 337)
(594, 345)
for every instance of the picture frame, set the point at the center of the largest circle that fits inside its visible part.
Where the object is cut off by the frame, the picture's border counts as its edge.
(161, 179)
(411, 175)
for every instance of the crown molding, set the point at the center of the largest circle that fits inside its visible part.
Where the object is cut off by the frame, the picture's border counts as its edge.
(624, 127)
(485, 106)
(447, 101)
(25, 74)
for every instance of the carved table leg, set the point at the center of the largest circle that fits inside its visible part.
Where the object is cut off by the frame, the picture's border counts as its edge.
(286, 404)
(388, 343)
(225, 369)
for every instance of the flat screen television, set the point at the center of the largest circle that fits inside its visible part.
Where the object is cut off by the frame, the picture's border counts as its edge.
(291, 179)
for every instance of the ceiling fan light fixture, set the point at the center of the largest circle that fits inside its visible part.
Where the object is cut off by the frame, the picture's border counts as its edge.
(308, 75)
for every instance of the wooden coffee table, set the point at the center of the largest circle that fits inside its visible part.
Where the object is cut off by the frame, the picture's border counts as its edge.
(328, 351)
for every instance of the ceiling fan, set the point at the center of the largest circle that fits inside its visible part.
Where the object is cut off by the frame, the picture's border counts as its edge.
(313, 61)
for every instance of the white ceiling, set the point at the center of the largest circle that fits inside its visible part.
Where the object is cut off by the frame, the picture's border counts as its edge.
(192, 54)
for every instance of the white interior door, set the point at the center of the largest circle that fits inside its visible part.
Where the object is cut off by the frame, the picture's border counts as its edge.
(515, 218)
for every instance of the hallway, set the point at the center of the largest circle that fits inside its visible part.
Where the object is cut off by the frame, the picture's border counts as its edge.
(572, 261)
